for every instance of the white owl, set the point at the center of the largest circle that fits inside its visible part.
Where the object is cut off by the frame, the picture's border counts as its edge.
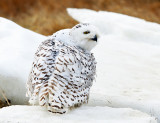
(64, 69)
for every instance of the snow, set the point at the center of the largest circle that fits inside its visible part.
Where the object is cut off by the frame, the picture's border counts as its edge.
(128, 71)
(129, 28)
(17, 48)
(85, 114)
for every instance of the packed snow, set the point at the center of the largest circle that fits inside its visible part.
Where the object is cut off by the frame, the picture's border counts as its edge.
(17, 47)
(128, 58)
(128, 71)
(85, 114)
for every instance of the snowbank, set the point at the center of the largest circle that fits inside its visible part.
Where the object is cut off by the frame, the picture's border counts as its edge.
(128, 70)
(85, 114)
(17, 48)
(130, 28)
(128, 56)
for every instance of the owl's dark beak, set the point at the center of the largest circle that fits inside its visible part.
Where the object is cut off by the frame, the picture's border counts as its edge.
(95, 38)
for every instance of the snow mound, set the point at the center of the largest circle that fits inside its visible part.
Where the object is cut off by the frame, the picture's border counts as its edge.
(17, 48)
(32, 114)
(130, 28)
(128, 70)
(128, 57)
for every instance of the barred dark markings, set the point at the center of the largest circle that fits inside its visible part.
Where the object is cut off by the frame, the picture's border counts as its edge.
(61, 76)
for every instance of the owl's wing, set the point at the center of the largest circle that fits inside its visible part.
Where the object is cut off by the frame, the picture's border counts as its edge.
(74, 72)
(42, 67)
(61, 75)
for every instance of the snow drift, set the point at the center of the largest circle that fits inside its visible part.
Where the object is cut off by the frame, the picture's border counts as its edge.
(128, 59)
(128, 70)
(85, 114)
(17, 47)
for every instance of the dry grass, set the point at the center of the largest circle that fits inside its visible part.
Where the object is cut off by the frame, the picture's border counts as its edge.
(2, 103)
(48, 16)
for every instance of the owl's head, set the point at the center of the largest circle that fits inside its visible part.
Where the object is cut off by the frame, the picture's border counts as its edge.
(85, 35)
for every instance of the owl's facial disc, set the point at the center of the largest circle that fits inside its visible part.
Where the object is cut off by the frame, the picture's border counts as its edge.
(85, 36)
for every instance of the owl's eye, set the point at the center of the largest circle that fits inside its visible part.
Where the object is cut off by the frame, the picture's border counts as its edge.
(86, 32)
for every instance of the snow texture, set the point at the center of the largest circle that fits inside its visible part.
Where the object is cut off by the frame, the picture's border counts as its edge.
(128, 71)
(17, 48)
(85, 114)
(128, 57)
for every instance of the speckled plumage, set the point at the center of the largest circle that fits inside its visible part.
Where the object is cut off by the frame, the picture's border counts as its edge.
(61, 76)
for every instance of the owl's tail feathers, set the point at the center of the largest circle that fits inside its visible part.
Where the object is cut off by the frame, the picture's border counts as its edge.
(33, 100)
(48, 99)
(56, 110)
(43, 98)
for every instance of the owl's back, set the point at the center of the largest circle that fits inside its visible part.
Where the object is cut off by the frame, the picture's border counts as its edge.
(61, 76)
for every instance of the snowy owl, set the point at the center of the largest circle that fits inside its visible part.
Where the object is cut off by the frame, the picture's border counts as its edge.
(64, 69)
